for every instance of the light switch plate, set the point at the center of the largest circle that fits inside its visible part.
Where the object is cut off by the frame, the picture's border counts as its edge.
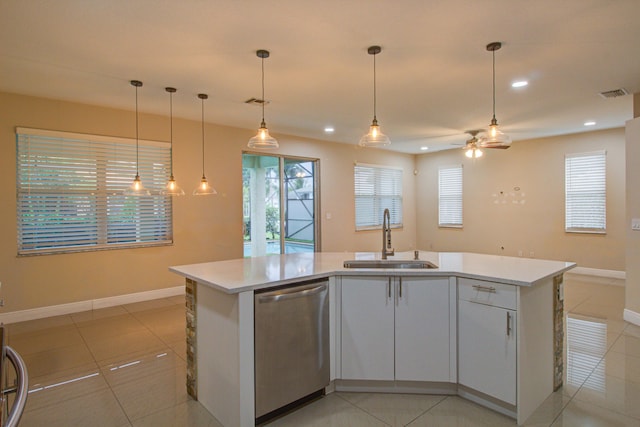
(635, 224)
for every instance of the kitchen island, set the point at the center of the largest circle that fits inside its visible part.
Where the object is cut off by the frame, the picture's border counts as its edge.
(521, 298)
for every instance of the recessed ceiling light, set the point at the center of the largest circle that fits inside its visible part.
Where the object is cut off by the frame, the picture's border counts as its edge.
(424, 148)
(589, 123)
(329, 129)
(520, 83)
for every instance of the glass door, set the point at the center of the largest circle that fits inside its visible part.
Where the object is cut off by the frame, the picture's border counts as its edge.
(279, 205)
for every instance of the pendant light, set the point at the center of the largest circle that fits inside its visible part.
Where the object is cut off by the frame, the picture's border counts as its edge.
(172, 188)
(471, 148)
(493, 137)
(262, 138)
(374, 138)
(136, 188)
(203, 189)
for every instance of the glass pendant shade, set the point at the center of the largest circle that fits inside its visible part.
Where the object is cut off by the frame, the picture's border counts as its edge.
(493, 137)
(262, 139)
(172, 188)
(136, 188)
(204, 189)
(374, 138)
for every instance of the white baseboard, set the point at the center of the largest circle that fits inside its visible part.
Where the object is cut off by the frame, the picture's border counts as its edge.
(597, 275)
(75, 307)
(631, 317)
(586, 271)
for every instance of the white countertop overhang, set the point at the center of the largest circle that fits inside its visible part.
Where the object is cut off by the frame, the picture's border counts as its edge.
(245, 274)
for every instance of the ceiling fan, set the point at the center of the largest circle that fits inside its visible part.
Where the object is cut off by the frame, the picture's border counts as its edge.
(472, 147)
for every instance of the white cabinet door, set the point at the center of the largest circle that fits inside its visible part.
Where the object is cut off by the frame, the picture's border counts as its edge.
(367, 328)
(422, 329)
(487, 350)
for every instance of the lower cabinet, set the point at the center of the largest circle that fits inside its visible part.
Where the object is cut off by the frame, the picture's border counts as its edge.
(487, 338)
(396, 328)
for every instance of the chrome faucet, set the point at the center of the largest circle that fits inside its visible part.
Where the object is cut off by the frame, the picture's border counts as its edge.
(387, 249)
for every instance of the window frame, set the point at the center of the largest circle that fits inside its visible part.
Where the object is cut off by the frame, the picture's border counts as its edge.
(574, 183)
(376, 197)
(75, 203)
(459, 198)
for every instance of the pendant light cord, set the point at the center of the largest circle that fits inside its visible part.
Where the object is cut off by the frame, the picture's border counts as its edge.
(494, 84)
(374, 88)
(171, 130)
(202, 137)
(263, 100)
(137, 158)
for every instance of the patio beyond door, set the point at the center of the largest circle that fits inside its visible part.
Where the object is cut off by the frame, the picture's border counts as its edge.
(279, 205)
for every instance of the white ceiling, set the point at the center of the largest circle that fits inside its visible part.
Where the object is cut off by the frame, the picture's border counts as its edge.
(433, 75)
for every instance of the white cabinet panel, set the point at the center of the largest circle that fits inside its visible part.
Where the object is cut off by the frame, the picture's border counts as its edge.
(422, 329)
(487, 350)
(396, 329)
(367, 329)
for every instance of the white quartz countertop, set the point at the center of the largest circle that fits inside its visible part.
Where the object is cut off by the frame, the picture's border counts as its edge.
(245, 274)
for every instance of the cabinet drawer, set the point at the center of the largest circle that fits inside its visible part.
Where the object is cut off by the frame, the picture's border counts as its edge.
(490, 293)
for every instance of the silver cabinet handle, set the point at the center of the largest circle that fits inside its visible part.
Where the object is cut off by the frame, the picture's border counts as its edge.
(400, 289)
(508, 324)
(281, 296)
(21, 390)
(481, 288)
(389, 287)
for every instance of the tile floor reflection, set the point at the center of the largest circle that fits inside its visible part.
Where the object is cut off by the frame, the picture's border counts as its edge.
(125, 366)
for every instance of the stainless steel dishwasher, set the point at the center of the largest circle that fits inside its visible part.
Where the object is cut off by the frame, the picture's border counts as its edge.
(291, 346)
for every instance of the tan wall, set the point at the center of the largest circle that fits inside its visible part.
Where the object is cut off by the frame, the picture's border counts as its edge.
(632, 298)
(205, 228)
(537, 167)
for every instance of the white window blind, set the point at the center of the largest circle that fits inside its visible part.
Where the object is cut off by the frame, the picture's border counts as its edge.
(376, 189)
(450, 196)
(585, 192)
(70, 192)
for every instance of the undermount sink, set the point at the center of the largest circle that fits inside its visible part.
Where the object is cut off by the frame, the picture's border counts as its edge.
(388, 263)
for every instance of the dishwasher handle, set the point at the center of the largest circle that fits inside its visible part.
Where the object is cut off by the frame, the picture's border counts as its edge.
(294, 293)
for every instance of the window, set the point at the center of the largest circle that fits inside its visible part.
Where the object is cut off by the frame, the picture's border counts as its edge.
(69, 189)
(585, 192)
(376, 189)
(450, 196)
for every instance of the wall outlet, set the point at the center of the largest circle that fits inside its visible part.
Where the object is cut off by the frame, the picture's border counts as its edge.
(531, 254)
(520, 252)
(635, 224)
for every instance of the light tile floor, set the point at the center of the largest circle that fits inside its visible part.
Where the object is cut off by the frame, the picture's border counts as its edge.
(125, 366)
